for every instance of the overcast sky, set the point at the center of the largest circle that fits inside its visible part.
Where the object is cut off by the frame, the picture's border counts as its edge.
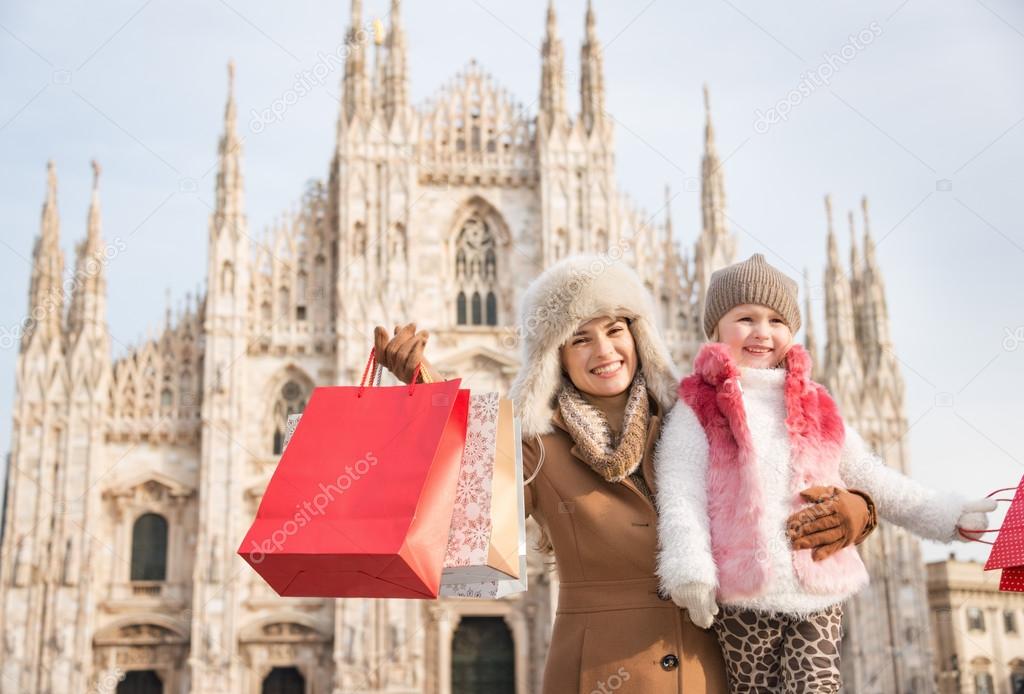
(919, 107)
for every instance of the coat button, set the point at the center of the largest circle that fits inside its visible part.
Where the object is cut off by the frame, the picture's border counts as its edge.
(669, 662)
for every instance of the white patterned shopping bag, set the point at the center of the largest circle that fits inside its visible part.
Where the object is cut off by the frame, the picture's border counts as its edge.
(509, 488)
(482, 543)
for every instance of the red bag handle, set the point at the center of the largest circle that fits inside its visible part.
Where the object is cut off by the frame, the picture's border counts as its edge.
(989, 530)
(378, 370)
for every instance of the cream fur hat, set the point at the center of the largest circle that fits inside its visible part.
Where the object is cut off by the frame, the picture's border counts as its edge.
(567, 294)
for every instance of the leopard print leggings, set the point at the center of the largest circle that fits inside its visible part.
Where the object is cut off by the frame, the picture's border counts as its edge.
(777, 653)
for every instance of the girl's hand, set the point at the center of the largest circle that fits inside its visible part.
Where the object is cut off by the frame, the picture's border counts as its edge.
(974, 517)
(698, 599)
(400, 353)
(839, 518)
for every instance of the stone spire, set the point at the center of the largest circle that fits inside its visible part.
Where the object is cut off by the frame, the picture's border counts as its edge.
(356, 83)
(712, 200)
(877, 337)
(396, 99)
(856, 293)
(229, 212)
(855, 263)
(378, 88)
(810, 340)
(46, 296)
(591, 75)
(552, 73)
(843, 371)
(88, 302)
(668, 215)
(715, 247)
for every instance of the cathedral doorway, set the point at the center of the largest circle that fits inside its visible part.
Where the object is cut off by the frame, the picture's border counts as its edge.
(284, 680)
(483, 657)
(140, 682)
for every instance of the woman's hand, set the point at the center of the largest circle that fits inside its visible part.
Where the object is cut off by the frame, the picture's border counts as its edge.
(839, 518)
(400, 353)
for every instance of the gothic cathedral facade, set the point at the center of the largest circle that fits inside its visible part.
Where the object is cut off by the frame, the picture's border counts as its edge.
(131, 480)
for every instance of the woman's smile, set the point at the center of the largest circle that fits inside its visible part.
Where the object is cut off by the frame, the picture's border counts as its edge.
(608, 370)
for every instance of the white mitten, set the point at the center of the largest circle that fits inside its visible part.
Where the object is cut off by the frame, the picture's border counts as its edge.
(699, 600)
(973, 516)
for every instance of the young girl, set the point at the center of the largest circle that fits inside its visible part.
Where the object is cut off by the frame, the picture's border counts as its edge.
(750, 430)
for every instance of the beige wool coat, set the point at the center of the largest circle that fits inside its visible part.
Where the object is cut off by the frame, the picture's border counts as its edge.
(612, 630)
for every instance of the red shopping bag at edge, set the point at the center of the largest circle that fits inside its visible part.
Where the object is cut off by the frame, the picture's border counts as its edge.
(360, 504)
(1008, 549)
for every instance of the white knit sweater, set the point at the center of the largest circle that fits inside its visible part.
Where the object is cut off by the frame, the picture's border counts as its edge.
(683, 527)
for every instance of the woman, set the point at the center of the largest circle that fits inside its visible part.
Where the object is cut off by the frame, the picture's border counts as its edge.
(595, 382)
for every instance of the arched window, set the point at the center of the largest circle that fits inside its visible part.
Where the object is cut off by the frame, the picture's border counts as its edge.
(301, 295)
(477, 309)
(149, 548)
(476, 271)
(983, 683)
(492, 309)
(140, 682)
(975, 619)
(483, 657)
(1017, 676)
(284, 301)
(490, 264)
(291, 400)
(359, 239)
(227, 277)
(319, 276)
(461, 308)
(284, 680)
(186, 392)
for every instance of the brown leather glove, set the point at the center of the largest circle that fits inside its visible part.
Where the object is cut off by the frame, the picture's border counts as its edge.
(400, 353)
(839, 518)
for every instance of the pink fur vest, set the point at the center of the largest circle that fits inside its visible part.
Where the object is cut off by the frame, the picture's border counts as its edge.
(739, 541)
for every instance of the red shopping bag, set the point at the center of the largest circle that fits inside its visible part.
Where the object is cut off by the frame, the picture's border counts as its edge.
(1008, 549)
(361, 501)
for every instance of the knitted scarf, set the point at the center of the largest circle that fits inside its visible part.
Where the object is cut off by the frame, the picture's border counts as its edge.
(612, 457)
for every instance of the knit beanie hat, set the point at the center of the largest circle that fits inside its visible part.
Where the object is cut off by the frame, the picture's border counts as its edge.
(753, 281)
